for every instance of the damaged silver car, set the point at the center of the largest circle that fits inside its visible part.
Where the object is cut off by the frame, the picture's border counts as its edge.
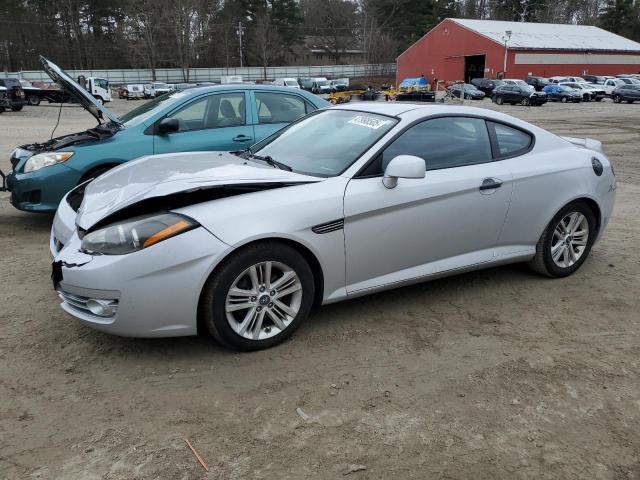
(344, 202)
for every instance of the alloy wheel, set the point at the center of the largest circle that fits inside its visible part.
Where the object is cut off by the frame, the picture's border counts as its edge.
(570, 239)
(263, 300)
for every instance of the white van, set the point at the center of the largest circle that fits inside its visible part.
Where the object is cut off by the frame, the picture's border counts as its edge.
(135, 91)
(287, 82)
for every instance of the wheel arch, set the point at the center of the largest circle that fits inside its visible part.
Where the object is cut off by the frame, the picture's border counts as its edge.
(304, 250)
(591, 203)
(108, 165)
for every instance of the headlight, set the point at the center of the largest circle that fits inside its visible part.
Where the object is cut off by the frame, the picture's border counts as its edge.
(46, 159)
(137, 233)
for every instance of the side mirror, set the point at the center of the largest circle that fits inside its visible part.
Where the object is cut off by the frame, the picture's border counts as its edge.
(168, 125)
(403, 166)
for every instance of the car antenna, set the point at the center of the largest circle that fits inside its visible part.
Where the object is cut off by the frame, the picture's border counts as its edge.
(58, 122)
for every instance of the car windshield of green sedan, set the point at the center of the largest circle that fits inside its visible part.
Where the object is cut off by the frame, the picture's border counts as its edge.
(208, 118)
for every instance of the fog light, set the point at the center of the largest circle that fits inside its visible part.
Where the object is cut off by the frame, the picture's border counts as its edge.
(101, 308)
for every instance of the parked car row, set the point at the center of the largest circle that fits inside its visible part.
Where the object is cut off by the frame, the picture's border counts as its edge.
(536, 90)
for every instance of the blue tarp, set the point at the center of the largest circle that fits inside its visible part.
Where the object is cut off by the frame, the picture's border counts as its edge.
(420, 82)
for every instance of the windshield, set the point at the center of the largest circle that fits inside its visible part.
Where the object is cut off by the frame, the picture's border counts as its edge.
(101, 83)
(291, 83)
(321, 83)
(148, 109)
(160, 86)
(564, 88)
(327, 143)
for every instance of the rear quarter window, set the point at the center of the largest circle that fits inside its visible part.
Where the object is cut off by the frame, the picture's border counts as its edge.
(509, 141)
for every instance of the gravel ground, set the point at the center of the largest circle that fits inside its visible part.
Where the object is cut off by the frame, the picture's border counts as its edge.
(493, 374)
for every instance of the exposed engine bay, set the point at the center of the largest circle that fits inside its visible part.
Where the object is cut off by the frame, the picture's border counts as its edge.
(100, 132)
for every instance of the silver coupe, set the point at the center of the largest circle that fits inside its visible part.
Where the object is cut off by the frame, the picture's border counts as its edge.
(347, 201)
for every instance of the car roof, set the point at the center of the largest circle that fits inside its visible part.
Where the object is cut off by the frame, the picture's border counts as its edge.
(414, 110)
(394, 109)
(235, 86)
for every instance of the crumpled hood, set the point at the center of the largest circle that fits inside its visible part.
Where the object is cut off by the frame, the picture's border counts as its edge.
(161, 175)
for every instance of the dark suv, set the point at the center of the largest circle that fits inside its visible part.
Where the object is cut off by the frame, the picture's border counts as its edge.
(626, 93)
(486, 85)
(524, 95)
(15, 93)
(595, 79)
(537, 82)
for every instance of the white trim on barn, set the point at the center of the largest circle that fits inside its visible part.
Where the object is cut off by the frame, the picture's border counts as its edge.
(550, 36)
(575, 59)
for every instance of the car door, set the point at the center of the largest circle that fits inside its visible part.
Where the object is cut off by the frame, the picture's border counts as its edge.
(275, 110)
(215, 121)
(448, 220)
(511, 94)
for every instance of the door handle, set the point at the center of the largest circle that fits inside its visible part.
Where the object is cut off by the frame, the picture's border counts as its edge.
(490, 184)
(242, 138)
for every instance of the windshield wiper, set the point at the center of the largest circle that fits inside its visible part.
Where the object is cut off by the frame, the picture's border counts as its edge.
(272, 162)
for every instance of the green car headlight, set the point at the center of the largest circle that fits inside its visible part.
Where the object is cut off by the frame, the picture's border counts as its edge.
(136, 234)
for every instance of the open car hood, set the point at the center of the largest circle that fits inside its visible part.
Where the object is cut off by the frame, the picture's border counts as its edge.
(74, 89)
(163, 179)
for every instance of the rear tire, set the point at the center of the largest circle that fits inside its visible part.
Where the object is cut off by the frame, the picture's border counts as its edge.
(563, 99)
(561, 250)
(617, 99)
(242, 281)
(16, 109)
(33, 100)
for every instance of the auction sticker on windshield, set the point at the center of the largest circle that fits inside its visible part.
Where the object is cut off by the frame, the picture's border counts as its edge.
(369, 122)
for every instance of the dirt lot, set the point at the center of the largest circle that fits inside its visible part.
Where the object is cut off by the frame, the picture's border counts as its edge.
(493, 374)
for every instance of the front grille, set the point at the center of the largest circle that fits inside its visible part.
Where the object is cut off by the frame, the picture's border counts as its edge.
(79, 303)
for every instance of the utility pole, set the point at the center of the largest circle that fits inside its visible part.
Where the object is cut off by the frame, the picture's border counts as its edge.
(240, 32)
(507, 37)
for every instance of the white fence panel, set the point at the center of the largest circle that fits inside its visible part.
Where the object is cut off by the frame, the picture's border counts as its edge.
(176, 75)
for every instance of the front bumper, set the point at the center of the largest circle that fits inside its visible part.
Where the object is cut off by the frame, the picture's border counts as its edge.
(40, 191)
(154, 292)
(538, 99)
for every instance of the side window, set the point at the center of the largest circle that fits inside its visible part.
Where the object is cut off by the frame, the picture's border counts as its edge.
(214, 111)
(442, 142)
(280, 107)
(510, 141)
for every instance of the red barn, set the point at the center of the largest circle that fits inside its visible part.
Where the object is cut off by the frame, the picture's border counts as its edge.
(460, 49)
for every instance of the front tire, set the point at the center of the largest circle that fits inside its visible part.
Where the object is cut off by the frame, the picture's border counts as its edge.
(563, 99)
(617, 99)
(566, 242)
(258, 297)
(499, 100)
(525, 102)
